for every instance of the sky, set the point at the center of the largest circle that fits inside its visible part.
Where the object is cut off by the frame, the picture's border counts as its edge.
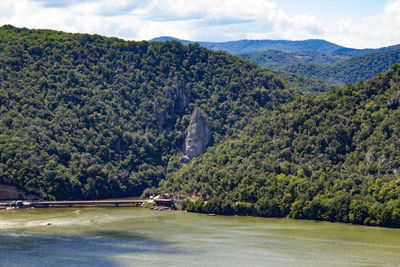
(351, 23)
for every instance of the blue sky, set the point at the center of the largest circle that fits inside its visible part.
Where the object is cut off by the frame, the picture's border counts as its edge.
(355, 9)
(352, 23)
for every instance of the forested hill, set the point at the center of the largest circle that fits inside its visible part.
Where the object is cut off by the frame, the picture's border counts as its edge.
(350, 70)
(313, 46)
(84, 116)
(247, 46)
(316, 59)
(333, 156)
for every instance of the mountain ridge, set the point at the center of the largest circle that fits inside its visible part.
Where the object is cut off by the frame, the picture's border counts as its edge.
(246, 45)
(292, 44)
(313, 58)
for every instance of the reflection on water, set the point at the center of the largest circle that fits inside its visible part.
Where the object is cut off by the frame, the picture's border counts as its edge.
(139, 237)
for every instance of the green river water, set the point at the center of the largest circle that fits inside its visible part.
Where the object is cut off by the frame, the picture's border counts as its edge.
(126, 236)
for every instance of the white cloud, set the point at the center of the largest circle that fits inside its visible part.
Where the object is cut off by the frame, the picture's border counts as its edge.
(218, 20)
(376, 31)
(208, 20)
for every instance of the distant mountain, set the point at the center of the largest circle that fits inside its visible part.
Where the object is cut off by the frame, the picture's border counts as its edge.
(310, 46)
(168, 38)
(333, 69)
(276, 59)
(317, 59)
(355, 52)
(246, 46)
(349, 70)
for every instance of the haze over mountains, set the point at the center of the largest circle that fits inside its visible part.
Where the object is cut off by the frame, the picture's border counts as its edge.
(318, 59)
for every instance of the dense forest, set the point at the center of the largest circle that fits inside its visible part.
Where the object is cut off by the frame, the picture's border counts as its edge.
(250, 46)
(84, 116)
(276, 59)
(333, 156)
(334, 69)
(329, 63)
(350, 70)
(298, 82)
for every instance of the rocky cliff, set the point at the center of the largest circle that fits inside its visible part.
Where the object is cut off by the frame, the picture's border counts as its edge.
(197, 138)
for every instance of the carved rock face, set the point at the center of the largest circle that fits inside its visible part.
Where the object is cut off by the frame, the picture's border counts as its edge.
(197, 138)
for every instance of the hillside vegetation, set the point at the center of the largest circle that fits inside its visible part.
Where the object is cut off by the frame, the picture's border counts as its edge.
(350, 70)
(311, 47)
(333, 69)
(316, 59)
(275, 59)
(333, 157)
(249, 46)
(84, 116)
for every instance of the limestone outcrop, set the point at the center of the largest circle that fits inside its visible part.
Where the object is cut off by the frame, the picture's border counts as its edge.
(197, 138)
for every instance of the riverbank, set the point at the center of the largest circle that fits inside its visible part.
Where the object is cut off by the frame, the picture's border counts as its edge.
(20, 204)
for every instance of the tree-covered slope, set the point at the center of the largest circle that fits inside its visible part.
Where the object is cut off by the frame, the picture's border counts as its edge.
(333, 156)
(84, 116)
(275, 59)
(350, 70)
(316, 59)
(304, 84)
(357, 52)
(312, 47)
(335, 69)
(248, 46)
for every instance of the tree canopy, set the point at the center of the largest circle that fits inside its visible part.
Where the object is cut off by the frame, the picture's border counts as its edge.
(84, 116)
(333, 156)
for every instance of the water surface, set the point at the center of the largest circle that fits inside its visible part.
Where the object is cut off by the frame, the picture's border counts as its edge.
(129, 236)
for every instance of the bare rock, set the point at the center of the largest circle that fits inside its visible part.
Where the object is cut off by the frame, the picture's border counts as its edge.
(394, 101)
(183, 99)
(197, 138)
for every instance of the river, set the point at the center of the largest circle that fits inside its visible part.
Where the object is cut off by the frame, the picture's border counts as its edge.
(126, 236)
